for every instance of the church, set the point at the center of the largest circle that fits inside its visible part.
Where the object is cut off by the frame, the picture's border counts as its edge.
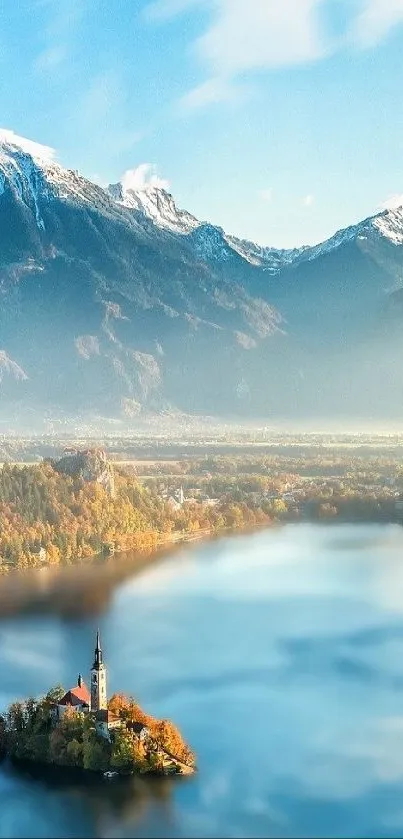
(93, 701)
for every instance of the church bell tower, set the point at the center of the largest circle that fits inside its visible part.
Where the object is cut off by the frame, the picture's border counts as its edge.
(99, 700)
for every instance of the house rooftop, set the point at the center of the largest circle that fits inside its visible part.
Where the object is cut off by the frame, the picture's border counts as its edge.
(137, 727)
(78, 695)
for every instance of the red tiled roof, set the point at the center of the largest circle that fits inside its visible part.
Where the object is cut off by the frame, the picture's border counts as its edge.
(76, 696)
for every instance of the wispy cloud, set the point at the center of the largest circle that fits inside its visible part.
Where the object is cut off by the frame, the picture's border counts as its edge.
(143, 178)
(266, 194)
(376, 20)
(50, 58)
(393, 202)
(245, 36)
(213, 91)
(162, 9)
(308, 200)
(61, 19)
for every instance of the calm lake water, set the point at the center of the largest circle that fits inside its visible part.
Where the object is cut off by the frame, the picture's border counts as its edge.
(280, 657)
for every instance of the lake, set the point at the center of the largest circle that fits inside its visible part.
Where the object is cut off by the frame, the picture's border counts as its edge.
(279, 654)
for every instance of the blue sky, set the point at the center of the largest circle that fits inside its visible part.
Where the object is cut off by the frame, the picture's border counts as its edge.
(281, 120)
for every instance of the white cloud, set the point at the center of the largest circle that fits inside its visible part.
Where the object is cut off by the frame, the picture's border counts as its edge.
(50, 58)
(376, 20)
(245, 36)
(60, 19)
(162, 9)
(308, 200)
(143, 178)
(393, 202)
(248, 35)
(261, 33)
(266, 194)
(210, 92)
(37, 150)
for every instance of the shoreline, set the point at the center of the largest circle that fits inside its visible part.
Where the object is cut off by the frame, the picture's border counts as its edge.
(57, 777)
(85, 587)
(41, 767)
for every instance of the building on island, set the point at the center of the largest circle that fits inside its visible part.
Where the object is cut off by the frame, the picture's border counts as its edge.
(142, 731)
(105, 722)
(99, 700)
(95, 700)
(77, 728)
(77, 697)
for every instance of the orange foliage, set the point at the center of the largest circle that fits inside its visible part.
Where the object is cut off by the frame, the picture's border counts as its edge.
(164, 731)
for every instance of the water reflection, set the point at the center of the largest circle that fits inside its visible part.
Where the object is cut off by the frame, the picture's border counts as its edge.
(75, 590)
(97, 806)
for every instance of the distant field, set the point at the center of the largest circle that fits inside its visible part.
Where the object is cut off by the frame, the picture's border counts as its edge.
(141, 465)
(146, 461)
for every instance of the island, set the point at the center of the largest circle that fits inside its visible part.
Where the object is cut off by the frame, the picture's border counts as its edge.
(80, 728)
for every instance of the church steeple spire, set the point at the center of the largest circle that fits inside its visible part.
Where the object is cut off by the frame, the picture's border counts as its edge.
(99, 699)
(98, 654)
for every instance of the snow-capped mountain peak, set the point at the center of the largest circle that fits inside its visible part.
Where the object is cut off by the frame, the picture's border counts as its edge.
(390, 225)
(40, 153)
(32, 172)
(155, 203)
(211, 242)
(387, 224)
(22, 166)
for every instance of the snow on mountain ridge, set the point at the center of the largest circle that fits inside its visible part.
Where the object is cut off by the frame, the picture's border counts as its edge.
(211, 242)
(157, 204)
(37, 151)
(33, 175)
(33, 172)
(19, 169)
(390, 224)
(264, 256)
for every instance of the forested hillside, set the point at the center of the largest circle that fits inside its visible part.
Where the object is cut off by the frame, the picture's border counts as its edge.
(46, 516)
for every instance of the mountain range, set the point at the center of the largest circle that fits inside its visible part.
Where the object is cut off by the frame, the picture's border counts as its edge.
(116, 303)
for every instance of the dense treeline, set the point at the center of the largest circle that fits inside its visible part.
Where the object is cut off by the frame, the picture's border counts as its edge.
(53, 517)
(49, 516)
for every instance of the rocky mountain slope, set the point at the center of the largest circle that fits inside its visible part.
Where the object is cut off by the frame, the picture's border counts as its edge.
(115, 302)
